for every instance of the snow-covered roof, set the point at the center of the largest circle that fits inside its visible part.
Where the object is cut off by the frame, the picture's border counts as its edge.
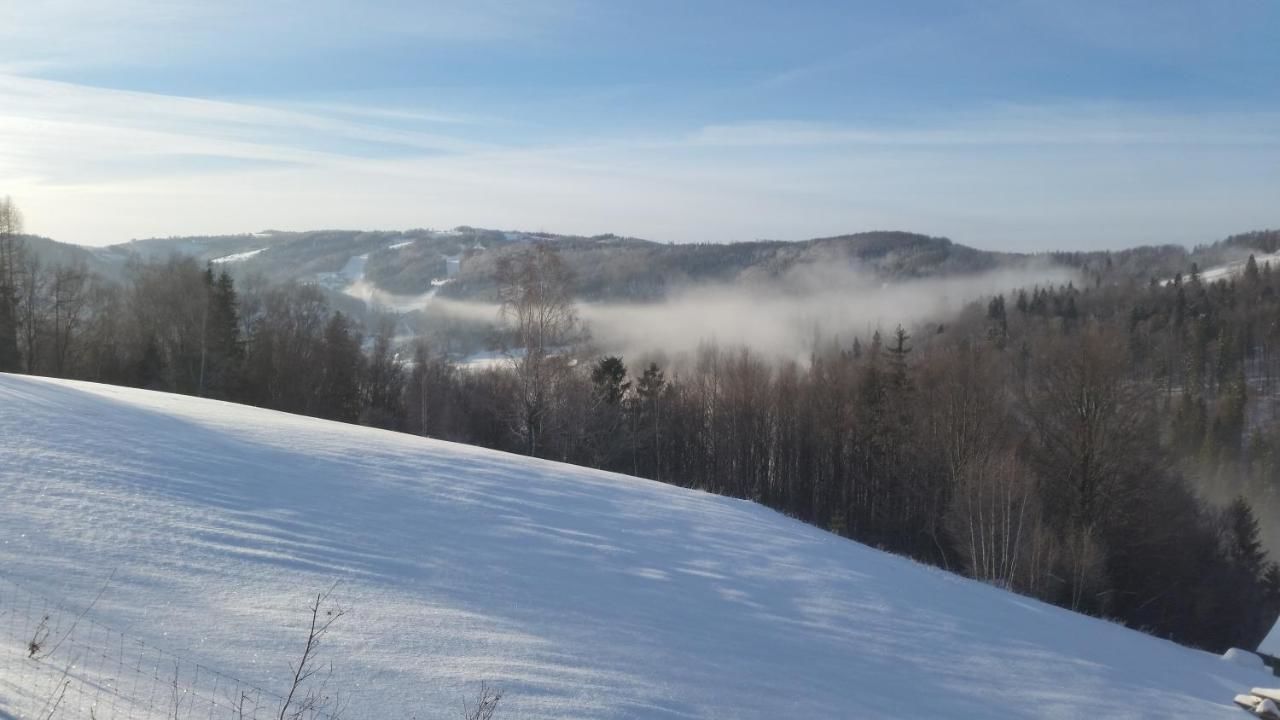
(1270, 645)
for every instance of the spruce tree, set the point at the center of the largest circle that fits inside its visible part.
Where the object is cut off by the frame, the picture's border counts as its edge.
(339, 392)
(650, 388)
(1243, 544)
(1251, 274)
(222, 362)
(608, 378)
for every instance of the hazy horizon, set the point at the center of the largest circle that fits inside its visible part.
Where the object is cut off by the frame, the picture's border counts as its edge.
(1190, 245)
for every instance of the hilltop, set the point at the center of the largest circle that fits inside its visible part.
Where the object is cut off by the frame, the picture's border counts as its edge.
(581, 593)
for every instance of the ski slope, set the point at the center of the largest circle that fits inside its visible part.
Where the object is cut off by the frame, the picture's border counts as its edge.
(1235, 268)
(579, 593)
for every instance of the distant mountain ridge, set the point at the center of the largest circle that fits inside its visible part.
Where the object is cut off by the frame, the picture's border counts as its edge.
(617, 268)
(607, 267)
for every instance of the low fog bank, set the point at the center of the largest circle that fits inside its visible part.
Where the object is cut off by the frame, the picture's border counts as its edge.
(782, 318)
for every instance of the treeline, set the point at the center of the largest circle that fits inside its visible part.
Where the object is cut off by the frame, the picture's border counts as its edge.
(1060, 442)
(177, 327)
(1045, 468)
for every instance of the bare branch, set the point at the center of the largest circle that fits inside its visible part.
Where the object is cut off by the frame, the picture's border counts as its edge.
(301, 700)
(486, 704)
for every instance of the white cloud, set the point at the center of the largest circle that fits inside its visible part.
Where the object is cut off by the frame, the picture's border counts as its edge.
(96, 166)
(1075, 124)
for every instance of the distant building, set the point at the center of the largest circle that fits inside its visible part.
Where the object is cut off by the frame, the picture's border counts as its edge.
(1270, 645)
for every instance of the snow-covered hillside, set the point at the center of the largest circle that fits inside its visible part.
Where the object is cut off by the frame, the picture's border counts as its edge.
(1234, 268)
(579, 593)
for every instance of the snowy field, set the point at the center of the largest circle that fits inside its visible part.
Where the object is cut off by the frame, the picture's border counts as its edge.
(1234, 268)
(238, 257)
(578, 593)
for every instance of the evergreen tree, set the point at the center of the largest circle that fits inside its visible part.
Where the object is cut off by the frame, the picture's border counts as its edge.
(222, 361)
(609, 388)
(1251, 602)
(997, 321)
(1227, 434)
(339, 393)
(608, 378)
(1242, 541)
(649, 389)
(898, 359)
(1251, 275)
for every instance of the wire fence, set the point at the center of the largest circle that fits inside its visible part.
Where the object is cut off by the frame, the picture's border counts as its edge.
(57, 662)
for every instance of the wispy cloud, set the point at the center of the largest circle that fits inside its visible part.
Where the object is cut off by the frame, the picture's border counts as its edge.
(1075, 124)
(59, 129)
(97, 165)
(386, 113)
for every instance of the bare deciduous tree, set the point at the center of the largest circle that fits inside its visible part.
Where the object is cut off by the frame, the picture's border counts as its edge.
(11, 253)
(993, 517)
(68, 291)
(1088, 418)
(308, 695)
(535, 292)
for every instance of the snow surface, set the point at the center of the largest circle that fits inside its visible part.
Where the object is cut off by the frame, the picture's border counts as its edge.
(1271, 643)
(1234, 268)
(375, 297)
(580, 593)
(351, 281)
(489, 359)
(1246, 659)
(237, 257)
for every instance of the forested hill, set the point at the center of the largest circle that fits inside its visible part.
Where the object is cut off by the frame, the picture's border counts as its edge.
(613, 268)
(606, 267)
(1102, 445)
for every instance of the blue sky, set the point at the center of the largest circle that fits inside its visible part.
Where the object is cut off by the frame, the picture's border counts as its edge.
(1015, 125)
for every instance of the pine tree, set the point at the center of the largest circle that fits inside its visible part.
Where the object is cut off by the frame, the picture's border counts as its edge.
(1227, 434)
(997, 321)
(649, 389)
(339, 391)
(1250, 577)
(1271, 590)
(222, 358)
(898, 359)
(608, 378)
(609, 388)
(1251, 274)
(1243, 544)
